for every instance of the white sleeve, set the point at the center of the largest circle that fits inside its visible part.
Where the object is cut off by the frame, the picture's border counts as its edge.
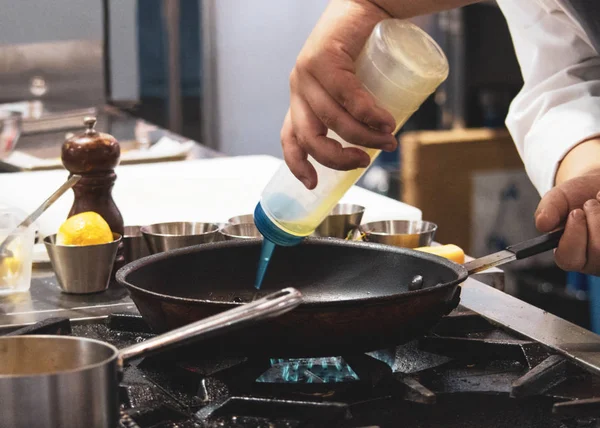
(559, 104)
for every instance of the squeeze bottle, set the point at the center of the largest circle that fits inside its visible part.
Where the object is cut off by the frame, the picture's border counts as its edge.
(400, 65)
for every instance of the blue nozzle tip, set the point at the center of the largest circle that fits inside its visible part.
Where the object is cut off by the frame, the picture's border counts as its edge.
(265, 256)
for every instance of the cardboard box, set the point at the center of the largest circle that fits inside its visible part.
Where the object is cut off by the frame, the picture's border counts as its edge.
(472, 184)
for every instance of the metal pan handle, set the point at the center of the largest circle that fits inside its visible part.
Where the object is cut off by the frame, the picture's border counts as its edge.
(272, 305)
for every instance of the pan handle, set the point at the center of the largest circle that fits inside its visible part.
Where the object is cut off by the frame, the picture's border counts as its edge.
(537, 245)
(519, 251)
(272, 305)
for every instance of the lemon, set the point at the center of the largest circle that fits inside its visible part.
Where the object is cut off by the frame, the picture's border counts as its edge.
(87, 228)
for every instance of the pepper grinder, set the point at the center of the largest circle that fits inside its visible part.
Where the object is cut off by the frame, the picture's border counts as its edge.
(94, 155)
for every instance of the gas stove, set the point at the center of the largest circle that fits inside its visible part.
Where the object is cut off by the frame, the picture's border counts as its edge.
(465, 373)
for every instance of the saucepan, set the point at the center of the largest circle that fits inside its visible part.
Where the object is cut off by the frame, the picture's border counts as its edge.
(62, 381)
(357, 296)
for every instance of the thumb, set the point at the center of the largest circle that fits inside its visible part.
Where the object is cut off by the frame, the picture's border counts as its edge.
(556, 205)
(552, 210)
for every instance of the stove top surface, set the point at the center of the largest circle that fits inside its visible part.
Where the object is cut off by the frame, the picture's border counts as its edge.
(465, 373)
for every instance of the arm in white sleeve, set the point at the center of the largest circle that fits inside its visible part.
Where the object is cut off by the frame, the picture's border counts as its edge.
(559, 104)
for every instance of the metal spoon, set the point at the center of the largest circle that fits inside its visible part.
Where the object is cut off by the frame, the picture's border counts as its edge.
(4, 251)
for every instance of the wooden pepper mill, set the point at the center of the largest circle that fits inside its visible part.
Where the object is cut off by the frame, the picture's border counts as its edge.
(95, 155)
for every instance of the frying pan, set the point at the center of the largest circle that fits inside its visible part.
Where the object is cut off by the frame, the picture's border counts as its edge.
(357, 297)
(62, 381)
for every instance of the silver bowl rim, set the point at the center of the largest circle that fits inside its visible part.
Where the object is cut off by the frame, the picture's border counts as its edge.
(222, 231)
(431, 227)
(360, 210)
(127, 235)
(48, 241)
(146, 229)
(230, 222)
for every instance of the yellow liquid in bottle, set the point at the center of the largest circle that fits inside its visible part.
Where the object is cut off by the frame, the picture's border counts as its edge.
(307, 224)
(400, 66)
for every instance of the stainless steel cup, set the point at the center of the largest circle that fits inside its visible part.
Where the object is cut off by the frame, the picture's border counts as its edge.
(342, 220)
(162, 237)
(240, 231)
(134, 244)
(241, 219)
(82, 269)
(399, 233)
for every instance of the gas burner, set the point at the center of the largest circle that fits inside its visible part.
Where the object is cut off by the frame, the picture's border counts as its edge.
(309, 370)
(465, 373)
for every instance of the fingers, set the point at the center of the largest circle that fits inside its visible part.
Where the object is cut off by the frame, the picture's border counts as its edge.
(571, 254)
(552, 210)
(345, 88)
(558, 202)
(576, 205)
(311, 136)
(579, 248)
(295, 157)
(334, 117)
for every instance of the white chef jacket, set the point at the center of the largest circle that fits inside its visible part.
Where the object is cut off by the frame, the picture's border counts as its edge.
(557, 45)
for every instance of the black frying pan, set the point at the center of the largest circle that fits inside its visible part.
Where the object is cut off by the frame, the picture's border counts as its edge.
(357, 297)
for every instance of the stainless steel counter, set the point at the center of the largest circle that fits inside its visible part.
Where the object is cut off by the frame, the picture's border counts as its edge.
(121, 125)
(45, 300)
(578, 344)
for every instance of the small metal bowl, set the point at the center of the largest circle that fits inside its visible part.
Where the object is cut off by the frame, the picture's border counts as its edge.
(134, 244)
(343, 219)
(399, 233)
(240, 231)
(241, 219)
(82, 269)
(162, 237)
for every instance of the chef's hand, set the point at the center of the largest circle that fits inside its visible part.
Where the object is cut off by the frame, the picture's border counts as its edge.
(575, 203)
(326, 94)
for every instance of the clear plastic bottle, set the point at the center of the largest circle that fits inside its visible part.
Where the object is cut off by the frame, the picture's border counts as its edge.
(15, 271)
(400, 66)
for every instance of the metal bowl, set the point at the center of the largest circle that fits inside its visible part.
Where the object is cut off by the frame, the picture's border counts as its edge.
(82, 269)
(399, 233)
(134, 244)
(241, 219)
(162, 237)
(343, 219)
(240, 231)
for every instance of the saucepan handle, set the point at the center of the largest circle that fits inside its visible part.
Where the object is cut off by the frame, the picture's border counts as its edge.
(272, 305)
(537, 245)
